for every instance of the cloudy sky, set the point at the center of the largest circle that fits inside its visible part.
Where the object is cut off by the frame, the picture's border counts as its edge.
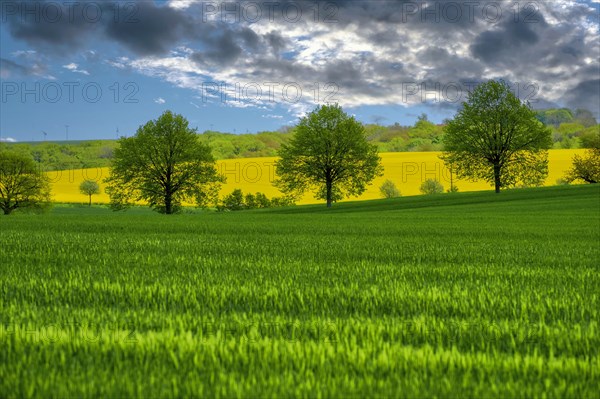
(103, 66)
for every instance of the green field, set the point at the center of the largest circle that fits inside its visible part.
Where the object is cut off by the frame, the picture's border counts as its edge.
(469, 294)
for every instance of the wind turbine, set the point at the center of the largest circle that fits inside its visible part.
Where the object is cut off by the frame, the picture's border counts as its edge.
(45, 135)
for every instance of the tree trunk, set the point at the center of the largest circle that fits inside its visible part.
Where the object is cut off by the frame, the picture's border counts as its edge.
(329, 193)
(497, 177)
(7, 211)
(168, 203)
(90, 204)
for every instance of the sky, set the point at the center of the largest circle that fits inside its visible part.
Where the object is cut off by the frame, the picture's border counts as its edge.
(100, 69)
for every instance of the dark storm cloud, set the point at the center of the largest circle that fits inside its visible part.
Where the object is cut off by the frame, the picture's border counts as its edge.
(585, 95)
(511, 40)
(45, 25)
(149, 29)
(406, 39)
(544, 104)
(223, 50)
(142, 27)
(342, 72)
(276, 42)
(226, 45)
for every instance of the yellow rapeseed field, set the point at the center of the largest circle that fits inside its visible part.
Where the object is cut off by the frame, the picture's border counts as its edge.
(406, 169)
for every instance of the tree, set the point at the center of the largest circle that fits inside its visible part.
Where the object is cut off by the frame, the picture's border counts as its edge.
(164, 164)
(431, 186)
(585, 117)
(554, 116)
(250, 201)
(586, 168)
(234, 201)
(22, 184)
(496, 137)
(329, 154)
(389, 190)
(589, 137)
(89, 188)
(453, 188)
(262, 201)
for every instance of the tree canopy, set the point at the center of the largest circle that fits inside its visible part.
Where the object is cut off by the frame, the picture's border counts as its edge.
(89, 188)
(22, 183)
(328, 154)
(163, 164)
(497, 138)
(587, 167)
(389, 190)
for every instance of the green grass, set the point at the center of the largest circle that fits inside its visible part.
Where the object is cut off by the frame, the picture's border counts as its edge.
(469, 294)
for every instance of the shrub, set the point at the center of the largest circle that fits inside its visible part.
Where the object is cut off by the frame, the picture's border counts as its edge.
(431, 186)
(234, 201)
(237, 201)
(389, 190)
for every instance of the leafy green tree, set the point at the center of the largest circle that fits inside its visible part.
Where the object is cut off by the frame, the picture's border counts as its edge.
(589, 136)
(397, 144)
(22, 183)
(165, 164)
(424, 129)
(330, 155)
(585, 117)
(554, 116)
(250, 201)
(431, 186)
(496, 137)
(389, 190)
(570, 129)
(89, 188)
(586, 168)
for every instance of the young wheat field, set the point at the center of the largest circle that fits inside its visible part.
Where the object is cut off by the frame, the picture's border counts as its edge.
(455, 295)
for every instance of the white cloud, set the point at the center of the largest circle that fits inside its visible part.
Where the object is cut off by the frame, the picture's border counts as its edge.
(120, 63)
(73, 67)
(374, 66)
(181, 4)
(23, 53)
(7, 140)
(159, 100)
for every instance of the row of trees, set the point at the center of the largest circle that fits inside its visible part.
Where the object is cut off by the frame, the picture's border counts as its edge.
(493, 137)
(237, 201)
(570, 129)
